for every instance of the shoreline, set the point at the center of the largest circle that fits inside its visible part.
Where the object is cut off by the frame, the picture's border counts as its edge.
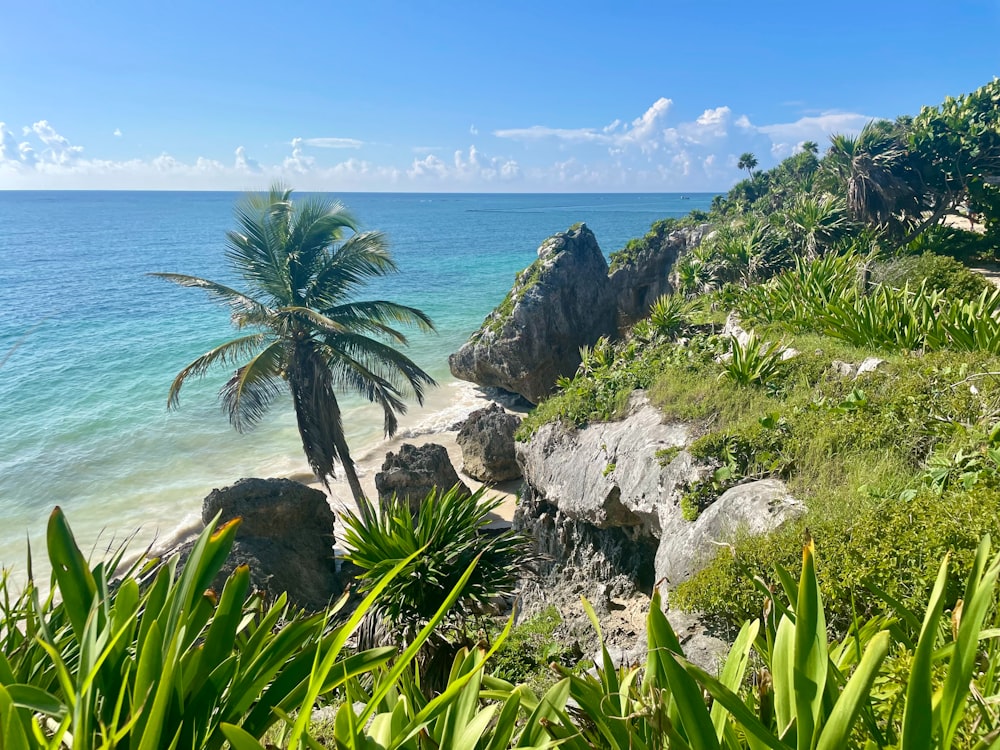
(417, 427)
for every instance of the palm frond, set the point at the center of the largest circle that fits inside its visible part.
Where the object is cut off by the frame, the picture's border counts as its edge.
(380, 311)
(238, 302)
(248, 394)
(381, 359)
(228, 353)
(359, 259)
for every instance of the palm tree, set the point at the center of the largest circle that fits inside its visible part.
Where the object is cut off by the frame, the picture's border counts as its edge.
(306, 333)
(748, 162)
(881, 185)
(810, 147)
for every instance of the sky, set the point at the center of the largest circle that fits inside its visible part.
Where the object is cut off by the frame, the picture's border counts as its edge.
(474, 96)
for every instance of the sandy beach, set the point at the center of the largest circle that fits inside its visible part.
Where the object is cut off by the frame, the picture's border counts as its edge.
(438, 422)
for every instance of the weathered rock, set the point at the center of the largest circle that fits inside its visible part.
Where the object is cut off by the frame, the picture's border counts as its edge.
(285, 537)
(413, 472)
(702, 643)
(638, 281)
(487, 442)
(869, 364)
(608, 474)
(561, 302)
(756, 508)
(600, 499)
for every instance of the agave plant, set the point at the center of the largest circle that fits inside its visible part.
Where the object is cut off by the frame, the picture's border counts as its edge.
(448, 531)
(753, 363)
(668, 314)
(157, 659)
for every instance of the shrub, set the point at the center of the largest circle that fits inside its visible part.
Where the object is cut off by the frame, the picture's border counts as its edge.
(938, 272)
(445, 537)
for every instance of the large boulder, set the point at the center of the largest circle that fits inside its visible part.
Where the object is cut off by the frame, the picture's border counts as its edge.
(611, 474)
(285, 537)
(487, 442)
(642, 271)
(753, 508)
(614, 489)
(414, 472)
(561, 302)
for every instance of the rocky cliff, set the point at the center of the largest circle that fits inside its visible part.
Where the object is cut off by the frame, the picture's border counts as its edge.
(566, 299)
(641, 272)
(561, 302)
(618, 486)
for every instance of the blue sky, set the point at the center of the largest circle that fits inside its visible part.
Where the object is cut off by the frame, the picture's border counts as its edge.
(460, 96)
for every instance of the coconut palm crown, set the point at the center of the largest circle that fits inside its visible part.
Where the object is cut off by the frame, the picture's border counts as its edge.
(302, 263)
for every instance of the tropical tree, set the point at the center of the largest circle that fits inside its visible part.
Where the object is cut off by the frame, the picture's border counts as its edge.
(748, 162)
(882, 187)
(302, 263)
(810, 147)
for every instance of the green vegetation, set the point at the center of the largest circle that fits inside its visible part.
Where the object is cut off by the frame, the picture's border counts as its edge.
(306, 332)
(167, 663)
(438, 543)
(939, 273)
(638, 247)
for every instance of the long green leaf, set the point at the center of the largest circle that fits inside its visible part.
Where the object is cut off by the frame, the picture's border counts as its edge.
(918, 716)
(837, 730)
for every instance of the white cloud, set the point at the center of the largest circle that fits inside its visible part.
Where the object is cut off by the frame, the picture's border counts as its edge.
(541, 132)
(473, 130)
(654, 151)
(117, 133)
(330, 142)
(58, 148)
(244, 163)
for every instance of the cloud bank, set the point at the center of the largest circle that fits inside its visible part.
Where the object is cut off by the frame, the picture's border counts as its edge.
(652, 151)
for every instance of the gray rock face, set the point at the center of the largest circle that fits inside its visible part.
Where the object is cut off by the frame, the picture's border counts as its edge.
(563, 301)
(608, 474)
(638, 282)
(413, 472)
(487, 442)
(286, 538)
(756, 508)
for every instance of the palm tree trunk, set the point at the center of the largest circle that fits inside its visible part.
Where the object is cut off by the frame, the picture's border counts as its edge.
(348, 463)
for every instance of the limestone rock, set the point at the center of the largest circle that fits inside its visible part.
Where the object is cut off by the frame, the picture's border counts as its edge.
(563, 301)
(413, 472)
(609, 474)
(487, 442)
(869, 364)
(639, 281)
(756, 507)
(285, 537)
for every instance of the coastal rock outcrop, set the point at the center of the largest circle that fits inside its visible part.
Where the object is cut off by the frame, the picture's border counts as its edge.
(603, 505)
(639, 278)
(562, 301)
(285, 537)
(413, 472)
(487, 442)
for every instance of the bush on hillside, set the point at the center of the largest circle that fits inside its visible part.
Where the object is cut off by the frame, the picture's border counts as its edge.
(938, 272)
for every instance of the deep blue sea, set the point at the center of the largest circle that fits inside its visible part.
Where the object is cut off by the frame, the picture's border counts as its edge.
(89, 343)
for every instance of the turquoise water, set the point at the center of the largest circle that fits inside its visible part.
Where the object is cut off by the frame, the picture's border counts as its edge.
(92, 343)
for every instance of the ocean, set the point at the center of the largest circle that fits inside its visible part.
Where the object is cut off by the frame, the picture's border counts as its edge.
(89, 344)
